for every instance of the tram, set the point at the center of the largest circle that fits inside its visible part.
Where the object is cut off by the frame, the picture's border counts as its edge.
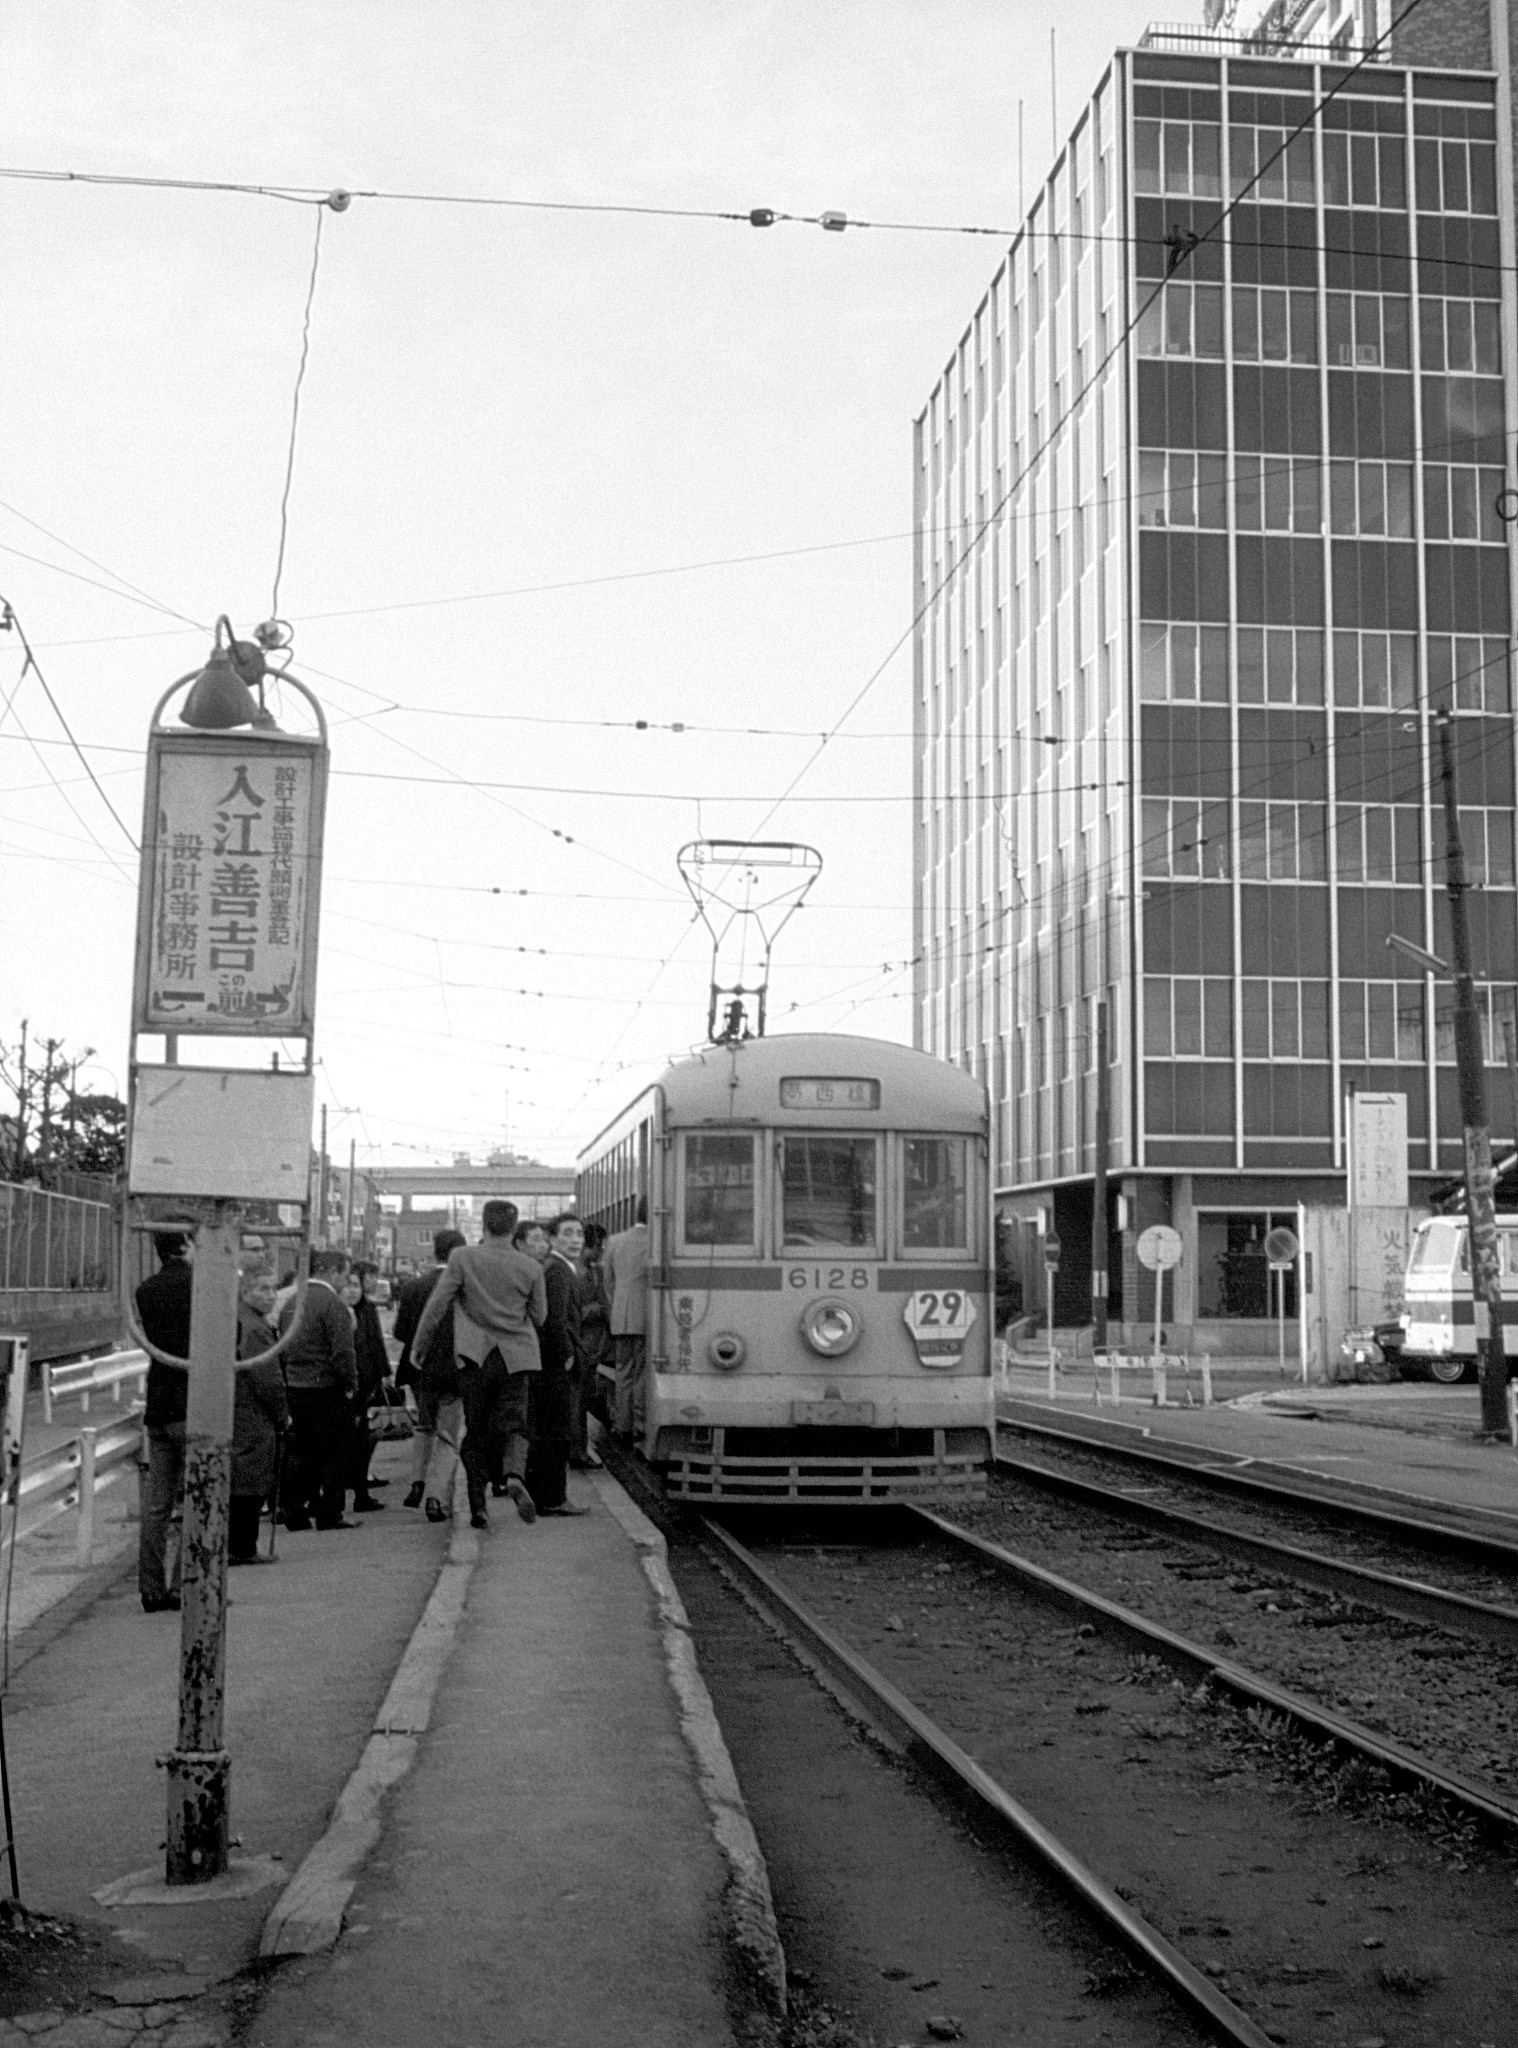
(821, 1270)
(1439, 1314)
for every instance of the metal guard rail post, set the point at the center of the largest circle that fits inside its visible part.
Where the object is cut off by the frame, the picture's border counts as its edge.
(73, 1474)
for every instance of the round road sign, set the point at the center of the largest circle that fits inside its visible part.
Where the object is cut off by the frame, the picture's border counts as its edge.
(1281, 1248)
(1159, 1247)
(1052, 1248)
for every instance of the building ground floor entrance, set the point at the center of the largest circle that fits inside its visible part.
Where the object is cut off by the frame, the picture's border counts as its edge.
(1223, 1298)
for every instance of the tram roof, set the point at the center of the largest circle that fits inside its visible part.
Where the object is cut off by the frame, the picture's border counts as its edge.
(742, 1082)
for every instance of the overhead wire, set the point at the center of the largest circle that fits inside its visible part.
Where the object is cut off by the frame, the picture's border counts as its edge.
(300, 378)
(1077, 399)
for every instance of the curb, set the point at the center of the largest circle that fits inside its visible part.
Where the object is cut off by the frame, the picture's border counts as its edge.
(750, 1908)
(308, 1915)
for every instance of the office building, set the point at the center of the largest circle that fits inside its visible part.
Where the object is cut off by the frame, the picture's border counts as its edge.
(1212, 524)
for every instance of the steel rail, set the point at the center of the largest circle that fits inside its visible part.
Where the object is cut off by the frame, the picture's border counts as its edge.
(1416, 1531)
(1481, 1802)
(930, 1749)
(1408, 1598)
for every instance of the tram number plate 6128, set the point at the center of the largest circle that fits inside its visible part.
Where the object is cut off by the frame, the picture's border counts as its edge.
(939, 1320)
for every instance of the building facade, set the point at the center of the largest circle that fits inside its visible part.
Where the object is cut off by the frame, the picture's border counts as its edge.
(1211, 531)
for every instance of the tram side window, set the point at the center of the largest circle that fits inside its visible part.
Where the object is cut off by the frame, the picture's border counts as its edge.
(933, 1194)
(719, 1188)
(829, 1192)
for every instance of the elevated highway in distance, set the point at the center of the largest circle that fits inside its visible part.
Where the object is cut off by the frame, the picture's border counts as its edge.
(521, 1178)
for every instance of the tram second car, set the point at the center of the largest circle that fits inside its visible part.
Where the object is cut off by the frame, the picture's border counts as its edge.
(821, 1289)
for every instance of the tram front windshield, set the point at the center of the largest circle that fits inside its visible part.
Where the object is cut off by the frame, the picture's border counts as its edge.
(829, 1190)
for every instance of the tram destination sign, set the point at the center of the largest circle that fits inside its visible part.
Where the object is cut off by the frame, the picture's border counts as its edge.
(227, 904)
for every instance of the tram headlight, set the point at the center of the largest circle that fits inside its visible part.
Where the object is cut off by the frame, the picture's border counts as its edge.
(727, 1351)
(832, 1327)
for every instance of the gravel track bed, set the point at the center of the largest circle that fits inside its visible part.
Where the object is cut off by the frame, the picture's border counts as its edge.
(1330, 1907)
(1288, 1523)
(1450, 1697)
(892, 1912)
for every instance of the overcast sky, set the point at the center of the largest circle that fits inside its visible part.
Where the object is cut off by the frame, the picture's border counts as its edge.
(532, 444)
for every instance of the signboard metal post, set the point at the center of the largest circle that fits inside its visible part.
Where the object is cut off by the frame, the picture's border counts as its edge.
(228, 897)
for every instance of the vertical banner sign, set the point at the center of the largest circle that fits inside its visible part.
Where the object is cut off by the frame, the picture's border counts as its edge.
(227, 914)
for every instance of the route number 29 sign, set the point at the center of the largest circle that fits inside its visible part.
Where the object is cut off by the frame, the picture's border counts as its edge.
(939, 1320)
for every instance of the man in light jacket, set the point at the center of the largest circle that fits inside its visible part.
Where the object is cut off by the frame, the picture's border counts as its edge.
(627, 1283)
(499, 1304)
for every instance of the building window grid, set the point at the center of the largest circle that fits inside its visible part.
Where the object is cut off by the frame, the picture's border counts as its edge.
(1357, 678)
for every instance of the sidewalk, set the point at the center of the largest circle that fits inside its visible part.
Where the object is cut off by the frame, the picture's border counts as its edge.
(311, 1644)
(1412, 1439)
(548, 1873)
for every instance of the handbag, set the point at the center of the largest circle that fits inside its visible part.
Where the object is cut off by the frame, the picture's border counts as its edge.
(390, 1419)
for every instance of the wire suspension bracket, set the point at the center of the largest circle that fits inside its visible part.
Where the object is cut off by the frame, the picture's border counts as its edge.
(745, 891)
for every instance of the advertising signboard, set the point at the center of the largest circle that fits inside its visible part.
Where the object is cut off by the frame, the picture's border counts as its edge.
(230, 887)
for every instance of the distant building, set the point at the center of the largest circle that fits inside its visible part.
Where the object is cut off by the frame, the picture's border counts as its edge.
(1207, 533)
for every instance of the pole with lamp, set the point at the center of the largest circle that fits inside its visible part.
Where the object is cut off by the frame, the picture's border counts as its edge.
(228, 900)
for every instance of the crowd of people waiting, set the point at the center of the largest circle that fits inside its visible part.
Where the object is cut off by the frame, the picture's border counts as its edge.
(500, 1343)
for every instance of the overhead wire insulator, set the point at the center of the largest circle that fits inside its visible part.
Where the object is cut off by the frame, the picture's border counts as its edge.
(835, 223)
(762, 217)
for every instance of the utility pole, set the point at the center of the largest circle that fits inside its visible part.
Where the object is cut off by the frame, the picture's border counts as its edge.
(1480, 1201)
(23, 1103)
(50, 1077)
(1099, 1185)
(348, 1212)
(321, 1182)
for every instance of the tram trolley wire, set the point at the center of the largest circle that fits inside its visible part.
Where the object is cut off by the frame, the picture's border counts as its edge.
(1423, 1530)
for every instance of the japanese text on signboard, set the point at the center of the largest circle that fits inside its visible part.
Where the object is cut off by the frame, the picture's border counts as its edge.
(229, 908)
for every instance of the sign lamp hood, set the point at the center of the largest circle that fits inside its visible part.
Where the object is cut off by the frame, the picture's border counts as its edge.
(220, 696)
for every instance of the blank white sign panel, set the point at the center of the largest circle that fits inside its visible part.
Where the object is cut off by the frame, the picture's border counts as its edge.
(214, 1132)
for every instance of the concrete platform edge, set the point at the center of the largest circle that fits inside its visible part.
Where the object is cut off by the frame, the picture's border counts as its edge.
(752, 1925)
(308, 1915)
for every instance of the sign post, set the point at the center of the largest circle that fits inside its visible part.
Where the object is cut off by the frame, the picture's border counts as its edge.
(228, 895)
(1160, 1248)
(1052, 1249)
(1281, 1250)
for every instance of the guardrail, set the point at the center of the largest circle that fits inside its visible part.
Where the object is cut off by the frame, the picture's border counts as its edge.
(1161, 1367)
(86, 1376)
(71, 1476)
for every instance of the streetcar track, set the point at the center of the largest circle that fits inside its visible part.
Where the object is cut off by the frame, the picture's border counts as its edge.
(1450, 1538)
(1410, 1599)
(1285, 1783)
(1483, 1803)
(922, 1742)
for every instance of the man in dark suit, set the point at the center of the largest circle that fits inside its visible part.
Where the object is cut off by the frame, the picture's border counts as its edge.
(439, 1409)
(163, 1307)
(553, 1393)
(321, 1373)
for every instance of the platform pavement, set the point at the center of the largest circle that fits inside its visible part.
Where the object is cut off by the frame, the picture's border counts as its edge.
(548, 1872)
(1408, 1437)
